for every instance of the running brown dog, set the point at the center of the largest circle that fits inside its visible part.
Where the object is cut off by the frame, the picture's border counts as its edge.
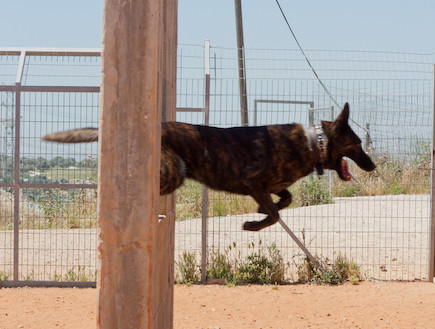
(255, 161)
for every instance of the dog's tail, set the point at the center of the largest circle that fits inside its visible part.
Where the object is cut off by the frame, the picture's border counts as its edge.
(83, 135)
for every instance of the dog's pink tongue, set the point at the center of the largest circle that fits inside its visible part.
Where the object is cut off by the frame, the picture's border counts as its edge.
(345, 170)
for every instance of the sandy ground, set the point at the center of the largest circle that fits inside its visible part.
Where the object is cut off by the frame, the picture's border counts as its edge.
(368, 305)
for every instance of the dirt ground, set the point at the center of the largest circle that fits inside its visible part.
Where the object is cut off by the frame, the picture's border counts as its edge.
(367, 305)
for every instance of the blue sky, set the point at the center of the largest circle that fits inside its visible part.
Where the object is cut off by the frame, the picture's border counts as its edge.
(407, 26)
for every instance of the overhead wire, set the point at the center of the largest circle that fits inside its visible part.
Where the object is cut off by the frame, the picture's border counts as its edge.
(311, 66)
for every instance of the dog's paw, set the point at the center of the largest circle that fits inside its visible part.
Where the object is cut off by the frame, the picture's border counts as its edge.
(252, 226)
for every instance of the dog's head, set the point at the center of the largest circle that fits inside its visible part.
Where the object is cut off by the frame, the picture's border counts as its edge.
(343, 142)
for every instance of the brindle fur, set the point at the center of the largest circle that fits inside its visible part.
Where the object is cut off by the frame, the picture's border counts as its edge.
(255, 161)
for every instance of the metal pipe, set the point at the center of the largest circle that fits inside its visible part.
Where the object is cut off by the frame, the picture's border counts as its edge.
(204, 209)
(241, 62)
(17, 180)
(432, 203)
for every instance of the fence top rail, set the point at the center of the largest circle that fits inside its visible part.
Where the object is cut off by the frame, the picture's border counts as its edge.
(12, 51)
(326, 50)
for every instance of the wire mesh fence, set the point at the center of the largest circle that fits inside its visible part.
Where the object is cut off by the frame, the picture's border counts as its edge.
(48, 191)
(380, 220)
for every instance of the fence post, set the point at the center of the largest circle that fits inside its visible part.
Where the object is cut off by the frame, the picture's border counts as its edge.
(17, 127)
(432, 201)
(204, 209)
(135, 283)
(17, 180)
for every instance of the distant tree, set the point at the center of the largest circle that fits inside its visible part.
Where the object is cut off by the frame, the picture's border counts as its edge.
(88, 163)
(27, 164)
(42, 163)
(70, 162)
(57, 162)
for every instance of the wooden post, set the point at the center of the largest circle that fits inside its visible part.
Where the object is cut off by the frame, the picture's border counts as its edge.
(135, 283)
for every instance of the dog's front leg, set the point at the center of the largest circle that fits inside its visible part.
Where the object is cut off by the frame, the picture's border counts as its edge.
(266, 203)
(284, 201)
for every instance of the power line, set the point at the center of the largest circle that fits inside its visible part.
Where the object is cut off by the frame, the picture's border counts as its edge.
(306, 58)
(309, 63)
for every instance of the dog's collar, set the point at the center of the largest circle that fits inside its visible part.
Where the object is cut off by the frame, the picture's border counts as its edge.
(318, 144)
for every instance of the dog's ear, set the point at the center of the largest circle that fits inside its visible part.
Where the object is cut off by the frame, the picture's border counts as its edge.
(343, 118)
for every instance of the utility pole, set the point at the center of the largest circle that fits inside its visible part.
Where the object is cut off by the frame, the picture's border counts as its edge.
(241, 61)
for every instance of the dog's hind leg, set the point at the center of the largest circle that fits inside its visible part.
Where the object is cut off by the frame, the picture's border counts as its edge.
(265, 201)
(284, 201)
(172, 172)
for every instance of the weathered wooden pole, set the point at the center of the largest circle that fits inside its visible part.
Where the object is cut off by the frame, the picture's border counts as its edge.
(135, 284)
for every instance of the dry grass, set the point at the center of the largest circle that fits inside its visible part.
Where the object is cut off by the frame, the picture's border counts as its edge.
(391, 177)
(189, 202)
(77, 209)
(53, 209)
(27, 211)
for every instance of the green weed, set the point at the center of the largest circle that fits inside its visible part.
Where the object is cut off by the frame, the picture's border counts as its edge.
(262, 268)
(4, 276)
(57, 277)
(79, 275)
(263, 265)
(76, 274)
(188, 268)
(339, 271)
(220, 266)
(30, 276)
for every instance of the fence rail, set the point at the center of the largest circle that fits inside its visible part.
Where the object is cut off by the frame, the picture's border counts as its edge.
(382, 221)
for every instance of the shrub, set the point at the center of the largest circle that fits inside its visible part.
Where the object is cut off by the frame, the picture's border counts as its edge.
(188, 270)
(312, 192)
(338, 272)
(4, 276)
(264, 267)
(220, 266)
